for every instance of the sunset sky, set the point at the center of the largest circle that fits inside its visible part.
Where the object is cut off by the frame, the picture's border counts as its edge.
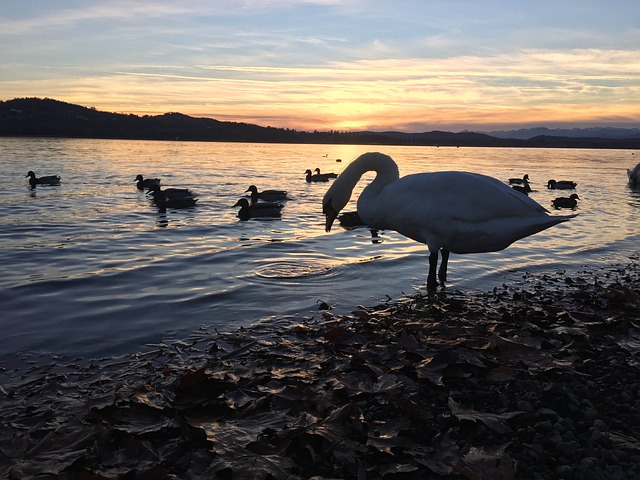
(333, 64)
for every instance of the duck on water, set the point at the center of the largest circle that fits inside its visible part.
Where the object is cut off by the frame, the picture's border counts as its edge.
(450, 212)
(266, 195)
(143, 183)
(172, 197)
(46, 180)
(258, 210)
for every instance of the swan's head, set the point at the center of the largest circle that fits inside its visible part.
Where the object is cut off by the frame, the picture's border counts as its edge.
(333, 202)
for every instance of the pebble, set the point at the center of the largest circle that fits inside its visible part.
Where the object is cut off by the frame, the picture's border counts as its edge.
(600, 425)
(547, 413)
(568, 449)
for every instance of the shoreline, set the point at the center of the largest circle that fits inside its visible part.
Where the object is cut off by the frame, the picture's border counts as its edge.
(539, 380)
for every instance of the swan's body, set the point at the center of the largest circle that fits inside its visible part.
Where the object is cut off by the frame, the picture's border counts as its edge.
(143, 183)
(310, 177)
(561, 185)
(325, 175)
(634, 176)
(46, 180)
(457, 212)
(520, 181)
(566, 202)
(266, 195)
(258, 210)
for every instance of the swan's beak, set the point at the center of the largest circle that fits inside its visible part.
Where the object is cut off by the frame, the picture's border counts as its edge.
(331, 215)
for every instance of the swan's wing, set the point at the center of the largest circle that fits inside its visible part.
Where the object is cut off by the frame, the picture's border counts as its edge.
(461, 211)
(455, 196)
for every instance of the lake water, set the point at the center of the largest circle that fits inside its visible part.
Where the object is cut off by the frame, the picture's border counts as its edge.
(92, 268)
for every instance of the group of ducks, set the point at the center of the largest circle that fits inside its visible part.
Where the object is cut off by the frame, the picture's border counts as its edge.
(426, 207)
(522, 185)
(268, 203)
(263, 204)
(167, 198)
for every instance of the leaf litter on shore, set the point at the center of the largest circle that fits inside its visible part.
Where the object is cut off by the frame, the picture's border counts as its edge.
(526, 380)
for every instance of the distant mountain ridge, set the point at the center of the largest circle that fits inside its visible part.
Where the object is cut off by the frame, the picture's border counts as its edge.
(52, 118)
(592, 132)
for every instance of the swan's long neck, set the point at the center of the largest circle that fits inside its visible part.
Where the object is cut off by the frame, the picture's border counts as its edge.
(340, 192)
(385, 168)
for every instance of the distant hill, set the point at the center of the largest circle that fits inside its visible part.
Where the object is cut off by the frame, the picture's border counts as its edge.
(52, 118)
(592, 132)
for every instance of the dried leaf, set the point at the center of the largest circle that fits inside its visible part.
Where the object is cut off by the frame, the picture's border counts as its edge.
(495, 421)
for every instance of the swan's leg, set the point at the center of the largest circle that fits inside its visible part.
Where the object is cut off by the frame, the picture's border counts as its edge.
(442, 273)
(432, 283)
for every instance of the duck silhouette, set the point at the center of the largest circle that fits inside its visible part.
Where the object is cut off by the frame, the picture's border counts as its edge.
(561, 185)
(450, 212)
(520, 181)
(566, 202)
(46, 180)
(172, 197)
(143, 183)
(266, 195)
(526, 189)
(310, 177)
(258, 210)
(328, 176)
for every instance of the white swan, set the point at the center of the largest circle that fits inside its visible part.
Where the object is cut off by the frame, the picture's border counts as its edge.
(634, 176)
(457, 212)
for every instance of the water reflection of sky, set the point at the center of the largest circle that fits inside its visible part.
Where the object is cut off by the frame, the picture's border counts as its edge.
(96, 245)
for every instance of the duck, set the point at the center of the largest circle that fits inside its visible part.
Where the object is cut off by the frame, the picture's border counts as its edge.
(266, 195)
(172, 197)
(350, 220)
(526, 189)
(258, 210)
(449, 211)
(520, 181)
(328, 175)
(143, 183)
(564, 202)
(46, 180)
(310, 177)
(561, 184)
(634, 176)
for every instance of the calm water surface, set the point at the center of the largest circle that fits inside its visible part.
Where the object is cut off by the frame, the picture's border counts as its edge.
(92, 268)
